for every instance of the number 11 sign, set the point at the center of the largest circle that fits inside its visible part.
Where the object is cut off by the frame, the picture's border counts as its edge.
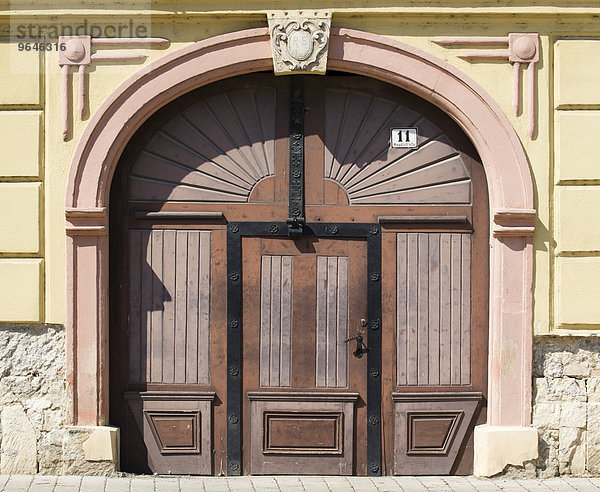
(403, 138)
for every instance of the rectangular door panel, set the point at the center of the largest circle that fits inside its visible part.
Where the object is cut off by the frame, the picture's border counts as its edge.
(430, 430)
(176, 429)
(169, 303)
(302, 433)
(433, 309)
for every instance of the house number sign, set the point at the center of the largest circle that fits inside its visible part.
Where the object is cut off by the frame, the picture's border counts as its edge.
(403, 138)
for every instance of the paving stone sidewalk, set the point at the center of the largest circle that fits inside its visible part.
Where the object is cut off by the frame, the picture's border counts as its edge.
(40, 483)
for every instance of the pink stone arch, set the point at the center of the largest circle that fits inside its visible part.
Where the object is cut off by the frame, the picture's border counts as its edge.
(507, 171)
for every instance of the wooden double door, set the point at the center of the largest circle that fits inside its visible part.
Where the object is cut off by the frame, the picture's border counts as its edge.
(244, 341)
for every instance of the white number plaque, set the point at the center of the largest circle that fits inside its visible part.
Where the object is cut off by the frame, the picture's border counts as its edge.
(403, 138)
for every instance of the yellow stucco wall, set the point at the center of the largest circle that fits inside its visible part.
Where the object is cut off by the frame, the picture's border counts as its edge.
(34, 159)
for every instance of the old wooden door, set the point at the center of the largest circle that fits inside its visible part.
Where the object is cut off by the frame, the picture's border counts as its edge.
(291, 294)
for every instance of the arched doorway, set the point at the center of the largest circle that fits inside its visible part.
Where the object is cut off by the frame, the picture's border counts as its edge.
(506, 170)
(298, 345)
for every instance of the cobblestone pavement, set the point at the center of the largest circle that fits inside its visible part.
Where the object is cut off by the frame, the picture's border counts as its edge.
(41, 483)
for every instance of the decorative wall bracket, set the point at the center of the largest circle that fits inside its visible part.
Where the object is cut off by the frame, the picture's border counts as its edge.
(78, 53)
(514, 223)
(299, 41)
(523, 49)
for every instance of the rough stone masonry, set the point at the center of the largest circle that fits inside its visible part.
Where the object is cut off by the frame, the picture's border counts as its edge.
(566, 407)
(32, 398)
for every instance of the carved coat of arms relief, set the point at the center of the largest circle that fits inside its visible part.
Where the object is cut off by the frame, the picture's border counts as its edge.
(299, 44)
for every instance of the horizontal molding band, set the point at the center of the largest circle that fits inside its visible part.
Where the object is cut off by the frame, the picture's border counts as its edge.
(141, 214)
(289, 396)
(423, 219)
(578, 254)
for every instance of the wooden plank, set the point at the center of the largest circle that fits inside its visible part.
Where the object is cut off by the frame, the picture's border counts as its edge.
(136, 259)
(334, 116)
(220, 106)
(275, 319)
(423, 309)
(265, 320)
(286, 321)
(321, 348)
(401, 308)
(180, 139)
(465, 365)
(332, 307)
(434, 308)
(455, 296)
(264, 102)
(352, 124)
(242, 104)
(146, 305)
(204, 308)
(168, 322)
(192, 307)
(445, 307)
(342, 323)
(157, 307)
(181, 308)
(305, 349)
(412, 297)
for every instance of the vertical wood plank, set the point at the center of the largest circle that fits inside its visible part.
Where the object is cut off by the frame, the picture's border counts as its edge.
(445, 308)
(157, 307)
(136, 258)
(434, 308)
(181, 308)
(286, 321)
(275, 319)
(321, 348)
(465, 366)
(423, 309)
(412, 308)
(168, 322)
(401, 308)
(192, 307)
(455, 297)
(204, 309)
(265, 321)
(342, 323)
(332, 305)
(304, 342)
(146, 307)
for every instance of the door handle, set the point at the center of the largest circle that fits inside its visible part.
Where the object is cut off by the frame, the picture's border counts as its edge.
(361, 348)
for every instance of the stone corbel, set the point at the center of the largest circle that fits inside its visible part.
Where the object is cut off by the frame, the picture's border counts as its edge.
(86, 221)
(77, 52)
(299, 41)
(523, 49)
(514, 223)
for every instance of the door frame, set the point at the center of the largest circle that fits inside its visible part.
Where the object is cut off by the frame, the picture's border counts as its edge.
(238, 230)
(510, 187)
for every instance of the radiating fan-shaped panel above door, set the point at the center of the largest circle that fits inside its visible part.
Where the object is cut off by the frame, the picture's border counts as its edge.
(358, 154)
(215, 149)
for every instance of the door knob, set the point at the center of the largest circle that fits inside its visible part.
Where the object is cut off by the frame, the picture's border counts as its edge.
(361, 348)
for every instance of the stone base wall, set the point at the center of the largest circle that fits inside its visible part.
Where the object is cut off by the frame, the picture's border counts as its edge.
(566, 404)
(33, 401)
(34, 437)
